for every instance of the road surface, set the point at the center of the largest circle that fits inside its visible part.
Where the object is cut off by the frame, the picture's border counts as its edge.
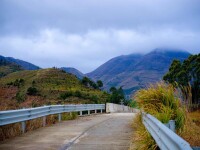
(95, 132)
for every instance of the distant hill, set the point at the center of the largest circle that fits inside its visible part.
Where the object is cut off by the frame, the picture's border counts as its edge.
(114, 66)
(25, 65)
(31, 88)
(74, 71)
(7, 67)
(135, 71)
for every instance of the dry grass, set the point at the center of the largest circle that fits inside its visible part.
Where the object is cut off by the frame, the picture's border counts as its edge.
(191, 131)
(141, 140)
(160, 101)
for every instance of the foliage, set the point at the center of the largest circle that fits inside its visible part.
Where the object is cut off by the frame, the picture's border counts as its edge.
(69, 116)
(99, 83)
(186, 74)
(85, 81)
(7, 67)
(17, 82)
(142, 139)
(89, 83)
(53, 87)
(66, 94)
(32, 91)
(20, 97)
(160, 101)
(133, 104)
(116, 95)
(191, 131)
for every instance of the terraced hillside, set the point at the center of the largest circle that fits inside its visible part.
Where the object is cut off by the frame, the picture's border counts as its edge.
(46, 86)
(7, 67)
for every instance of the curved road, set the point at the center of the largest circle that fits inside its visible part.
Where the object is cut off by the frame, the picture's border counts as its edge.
(95, 132)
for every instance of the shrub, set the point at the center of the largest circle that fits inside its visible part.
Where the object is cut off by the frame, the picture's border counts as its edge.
(32, 91)
(20, 97)
(133, 104)
(66, 94)
(142, 139)
(160, 101)
(77, 93)
(17, 82)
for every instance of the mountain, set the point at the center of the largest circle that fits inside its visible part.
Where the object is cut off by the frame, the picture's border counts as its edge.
(31, 88)
(135, 71)
(7, 67)
(25, 65)
(73, 71)
(114, 66)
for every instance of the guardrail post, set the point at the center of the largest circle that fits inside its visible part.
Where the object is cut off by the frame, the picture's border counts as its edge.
(101, 111)
(88, 112)
(172, 125)
(95, 111)
(81, 113)
(23, 126)
(59, 117)
(44, 121)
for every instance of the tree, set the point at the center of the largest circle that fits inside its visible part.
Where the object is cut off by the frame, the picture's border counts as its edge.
(32, 91)
(99, 83)
(85, 81)
(186, 74)
(89, 83)
(93, 84)
(116, 95)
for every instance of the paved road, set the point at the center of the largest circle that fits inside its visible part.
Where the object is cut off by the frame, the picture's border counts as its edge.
(98, 132)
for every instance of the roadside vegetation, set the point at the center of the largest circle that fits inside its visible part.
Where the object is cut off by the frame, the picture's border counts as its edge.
(175, 99)
(160, 101)
(186, 76)
(25, 89)
(48, 87)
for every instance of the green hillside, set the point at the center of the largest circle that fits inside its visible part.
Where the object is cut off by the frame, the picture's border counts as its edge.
(7, 67)
(44, 87)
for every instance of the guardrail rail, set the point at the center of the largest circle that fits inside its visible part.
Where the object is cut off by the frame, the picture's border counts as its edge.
(22, 115)
(165, 138)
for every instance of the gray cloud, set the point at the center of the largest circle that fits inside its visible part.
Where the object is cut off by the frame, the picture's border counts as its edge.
(84, 34)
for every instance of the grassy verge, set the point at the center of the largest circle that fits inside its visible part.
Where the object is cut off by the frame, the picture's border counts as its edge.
(160, 101)
(141, 139)
(191, 132)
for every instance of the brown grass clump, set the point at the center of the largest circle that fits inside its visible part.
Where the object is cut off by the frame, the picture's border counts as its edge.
(160, 101)
(191, 132)
(142, 139)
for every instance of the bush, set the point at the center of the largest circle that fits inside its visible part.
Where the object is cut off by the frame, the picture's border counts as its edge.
(142, 139)
(77, 93)
(133, 104)
(160, 101)
(17, 82)
(20, 97)
(65, 95)
(32, 91)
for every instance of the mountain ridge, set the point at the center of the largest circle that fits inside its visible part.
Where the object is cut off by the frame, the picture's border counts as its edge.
(74, 71)
(140, 72)
(24, 64)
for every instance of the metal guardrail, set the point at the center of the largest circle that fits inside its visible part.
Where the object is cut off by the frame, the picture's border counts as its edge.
(165, 138)
(22, 115)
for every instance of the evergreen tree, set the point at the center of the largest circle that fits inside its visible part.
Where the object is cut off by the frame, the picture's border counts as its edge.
(186, 74)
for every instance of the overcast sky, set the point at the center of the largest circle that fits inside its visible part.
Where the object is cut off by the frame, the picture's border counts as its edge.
(86, 33)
